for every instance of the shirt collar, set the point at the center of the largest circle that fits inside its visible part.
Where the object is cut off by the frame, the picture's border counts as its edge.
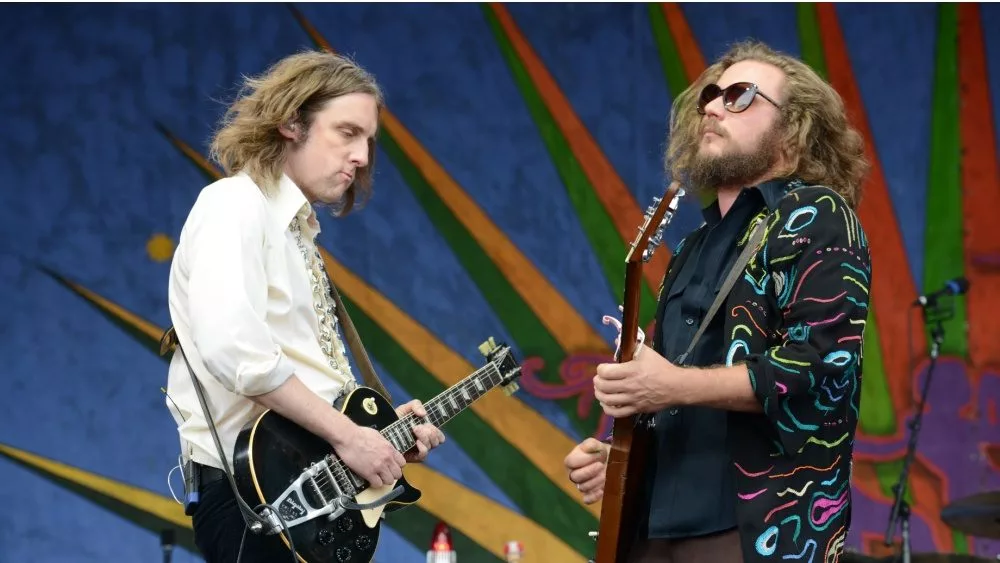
(289, 201)
(774, 190)
(770, 191)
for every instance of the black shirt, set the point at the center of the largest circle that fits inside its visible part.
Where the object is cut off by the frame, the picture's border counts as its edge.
(693, 491)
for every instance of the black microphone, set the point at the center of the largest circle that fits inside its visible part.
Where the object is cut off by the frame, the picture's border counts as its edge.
(957, 286)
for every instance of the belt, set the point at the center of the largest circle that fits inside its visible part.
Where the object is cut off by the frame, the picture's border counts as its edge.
(209, 474)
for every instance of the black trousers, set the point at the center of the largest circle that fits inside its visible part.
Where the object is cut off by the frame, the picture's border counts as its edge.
(219, 527)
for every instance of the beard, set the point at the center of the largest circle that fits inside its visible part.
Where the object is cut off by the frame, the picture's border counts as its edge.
(711, 172)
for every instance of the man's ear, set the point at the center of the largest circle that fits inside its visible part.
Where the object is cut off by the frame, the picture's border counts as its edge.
(291, 130)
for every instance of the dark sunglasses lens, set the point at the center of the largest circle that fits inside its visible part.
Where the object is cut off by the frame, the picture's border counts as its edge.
(738, 96)
(708, 93)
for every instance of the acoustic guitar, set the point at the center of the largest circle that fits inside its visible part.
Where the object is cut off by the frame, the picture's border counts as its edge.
(631, 435)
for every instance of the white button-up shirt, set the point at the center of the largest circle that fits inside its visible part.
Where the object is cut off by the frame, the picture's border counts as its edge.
(242, 305)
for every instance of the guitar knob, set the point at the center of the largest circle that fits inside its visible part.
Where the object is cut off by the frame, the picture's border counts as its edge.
(345, 524)
(325, 536)
(343, 554)
(363, 542)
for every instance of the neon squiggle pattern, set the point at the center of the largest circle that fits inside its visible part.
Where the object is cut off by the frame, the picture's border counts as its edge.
(796, 320)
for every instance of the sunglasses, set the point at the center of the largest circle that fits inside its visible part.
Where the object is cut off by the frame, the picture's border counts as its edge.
(736, 97)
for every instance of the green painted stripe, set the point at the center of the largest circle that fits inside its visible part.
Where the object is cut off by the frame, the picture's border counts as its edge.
(600, 230)
(134, 514)
(528, 488)
(810, 41)
(878, 416)
(944, 254)
(529, 334)
(413, 523)
(670, 58)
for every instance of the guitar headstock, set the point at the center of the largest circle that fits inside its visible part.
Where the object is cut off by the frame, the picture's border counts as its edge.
(657, 216)
(501, 356)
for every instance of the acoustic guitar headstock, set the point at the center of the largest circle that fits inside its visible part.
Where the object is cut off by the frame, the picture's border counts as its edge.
(657, 216)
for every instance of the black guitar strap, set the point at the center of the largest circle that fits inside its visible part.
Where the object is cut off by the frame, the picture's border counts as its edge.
(368, 375)
(253, 520)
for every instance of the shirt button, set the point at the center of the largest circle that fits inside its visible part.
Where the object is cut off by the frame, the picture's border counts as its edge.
(689, 321)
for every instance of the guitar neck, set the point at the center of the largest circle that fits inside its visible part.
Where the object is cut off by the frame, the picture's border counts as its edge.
(445, 406)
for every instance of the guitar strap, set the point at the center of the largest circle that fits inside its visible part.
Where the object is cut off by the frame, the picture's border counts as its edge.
(756, 236)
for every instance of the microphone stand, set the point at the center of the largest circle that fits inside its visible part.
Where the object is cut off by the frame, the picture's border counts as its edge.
(900, 513)
(167, 544)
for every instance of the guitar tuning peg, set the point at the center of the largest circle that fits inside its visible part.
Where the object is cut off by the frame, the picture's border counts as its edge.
(510, 389)
(488, 346)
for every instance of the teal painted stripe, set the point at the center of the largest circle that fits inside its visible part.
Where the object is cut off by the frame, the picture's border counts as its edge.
(944, 253)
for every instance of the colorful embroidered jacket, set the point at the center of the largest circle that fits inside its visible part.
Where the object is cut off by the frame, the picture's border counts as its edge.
(796, 319)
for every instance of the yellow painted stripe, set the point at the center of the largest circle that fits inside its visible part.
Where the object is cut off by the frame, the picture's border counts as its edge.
(469, 512)
(483, 520)
(565, 324)
(537, 438)
(531, 433)
(151, 503)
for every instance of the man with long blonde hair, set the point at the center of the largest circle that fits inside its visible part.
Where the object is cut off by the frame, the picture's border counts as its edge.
(249, 297)
(753, 410)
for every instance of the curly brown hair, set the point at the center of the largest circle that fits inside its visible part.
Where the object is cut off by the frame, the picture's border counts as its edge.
(817, 140)
(291, 91)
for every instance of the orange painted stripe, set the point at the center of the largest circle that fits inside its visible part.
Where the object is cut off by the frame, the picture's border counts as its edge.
(687, 45)
(893, 289)
(980, 197)
(203, 163)
(561, 319)
(142, 325)
(524, 428)
(531, 433)
(609, 187)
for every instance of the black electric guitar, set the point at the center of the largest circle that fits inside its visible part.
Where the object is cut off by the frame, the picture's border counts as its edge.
(332, 514)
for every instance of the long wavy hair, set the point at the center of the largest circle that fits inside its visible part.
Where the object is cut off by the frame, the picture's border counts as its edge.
(817, 140)
(290, 92)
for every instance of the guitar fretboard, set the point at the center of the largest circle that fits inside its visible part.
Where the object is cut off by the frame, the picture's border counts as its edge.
(445, 406)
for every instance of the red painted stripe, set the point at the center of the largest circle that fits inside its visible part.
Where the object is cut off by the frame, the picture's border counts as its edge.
(981, 199)
(687, 45)
(610, 189)
(893, 289)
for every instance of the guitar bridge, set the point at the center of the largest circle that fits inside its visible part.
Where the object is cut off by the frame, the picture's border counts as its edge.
(317, 485)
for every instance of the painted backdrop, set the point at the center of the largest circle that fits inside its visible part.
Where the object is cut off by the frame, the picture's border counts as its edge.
(520, 147)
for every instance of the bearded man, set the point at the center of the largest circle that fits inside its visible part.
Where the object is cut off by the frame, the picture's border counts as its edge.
(753, 423)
